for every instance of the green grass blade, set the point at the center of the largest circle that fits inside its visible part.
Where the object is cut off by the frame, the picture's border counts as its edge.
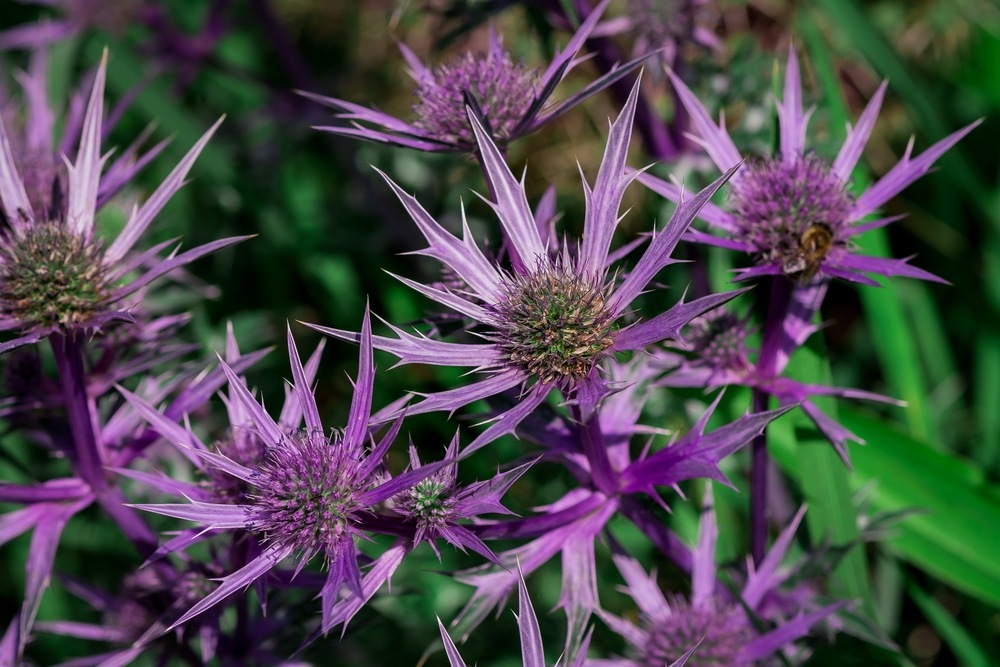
(962, 644)
(824, 481)
(952, 534)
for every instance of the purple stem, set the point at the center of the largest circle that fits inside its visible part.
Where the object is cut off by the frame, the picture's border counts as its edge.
(89, 455)
(68, 352)
(772, 342)
(592, 441)
(661, 536)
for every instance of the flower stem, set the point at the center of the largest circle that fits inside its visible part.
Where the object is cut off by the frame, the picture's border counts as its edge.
(773, 339)
(68, 352)
(89, 456)
(592, 440)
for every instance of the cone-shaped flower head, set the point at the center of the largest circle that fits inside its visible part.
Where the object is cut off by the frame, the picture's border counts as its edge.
(794, 212)
(313, 490)
(56, 273)
(511, 97)
(711, 627)
(551, 316)
(437, 504)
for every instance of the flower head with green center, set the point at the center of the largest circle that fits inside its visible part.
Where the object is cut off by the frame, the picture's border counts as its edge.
(548, 318)
(436, 504)
(312, 495)
(513, 99)
(56, 274)
(552, 323)
(794, 212)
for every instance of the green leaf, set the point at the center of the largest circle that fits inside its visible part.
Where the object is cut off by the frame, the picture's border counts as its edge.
(953, 535)
(968, 652)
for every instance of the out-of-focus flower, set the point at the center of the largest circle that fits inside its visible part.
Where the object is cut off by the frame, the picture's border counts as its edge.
(56, 275)
(511, 97)
(719, 627)
(554, 314)
(793, 212)
(719, 356)
(664, 28)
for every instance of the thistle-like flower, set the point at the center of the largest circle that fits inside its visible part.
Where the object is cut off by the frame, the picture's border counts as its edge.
(435, 505)
(56, 274)
(712, 627)
(794, 212)
(312, 493)
(551, 317)
(511, 97)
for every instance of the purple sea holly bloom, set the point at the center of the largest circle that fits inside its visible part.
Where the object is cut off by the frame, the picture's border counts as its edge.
(56, 275)
(436, 504)
(311, 495)
(712, 627)
(718, 356)
(435, 507)
(511, 97)
(552, 316)
(794, 211)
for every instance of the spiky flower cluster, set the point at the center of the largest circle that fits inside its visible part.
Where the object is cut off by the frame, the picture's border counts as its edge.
(503, 89)
(792, 211)
(553, 323)
(428, 503)
(50, 276)
(306, 494)
(243, 447)
(718, 630)
(718, 340)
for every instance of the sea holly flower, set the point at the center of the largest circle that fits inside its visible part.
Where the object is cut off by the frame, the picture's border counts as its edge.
(713, 626)
(718, 356)
(56, 273)
(794, 212)
(437, 503)
(511, 97)
(551, 317)
(312, 493)
(435, 507)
